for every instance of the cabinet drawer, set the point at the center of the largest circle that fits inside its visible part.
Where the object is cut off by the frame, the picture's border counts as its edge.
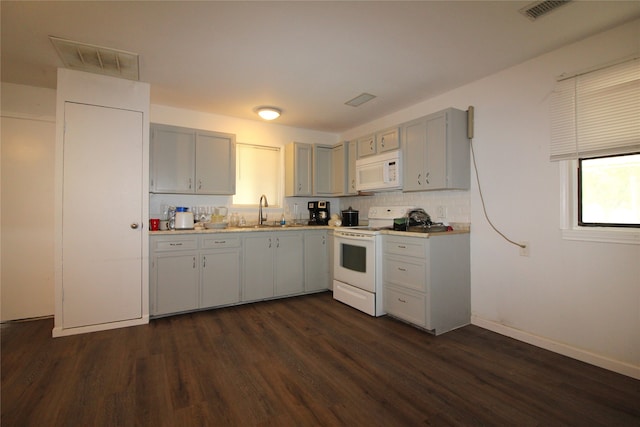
(405, 305)
(406, 247)
(222, 240)
(405, 272)
(174, 243)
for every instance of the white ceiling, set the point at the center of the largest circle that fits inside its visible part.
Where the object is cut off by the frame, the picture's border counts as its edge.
(308, 58)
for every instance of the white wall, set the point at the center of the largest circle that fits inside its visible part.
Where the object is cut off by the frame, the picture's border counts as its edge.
(28, 144)
(575, 297)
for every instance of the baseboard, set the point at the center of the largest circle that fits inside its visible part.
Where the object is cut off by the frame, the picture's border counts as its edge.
(564, 349)
(61, 332)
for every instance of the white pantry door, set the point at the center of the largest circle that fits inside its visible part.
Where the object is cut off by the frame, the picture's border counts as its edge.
(102, 215)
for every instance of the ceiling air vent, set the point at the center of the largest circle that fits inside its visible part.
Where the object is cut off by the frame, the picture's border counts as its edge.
(360, 99)
(540, 8)
(97, 59)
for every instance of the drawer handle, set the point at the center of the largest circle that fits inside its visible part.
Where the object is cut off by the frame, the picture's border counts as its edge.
(219, 241)
(402, 301)
(175, 244)
(402, 269)
(402, 247)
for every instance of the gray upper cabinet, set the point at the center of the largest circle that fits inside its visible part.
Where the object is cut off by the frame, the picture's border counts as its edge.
(351, 155)
(379, 142)
(298, 169)
(366, 145)
(388, 139)
(323, 170)
(436, 152)
(329, 170)
(190, 161)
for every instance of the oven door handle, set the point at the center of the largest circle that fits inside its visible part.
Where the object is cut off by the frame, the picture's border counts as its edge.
(349, 236)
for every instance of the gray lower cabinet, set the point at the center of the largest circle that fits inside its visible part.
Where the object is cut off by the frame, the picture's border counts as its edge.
(197, 271)
(316, 261)
(220, 261)
(190, 272)
(427, 280)
(272, 265)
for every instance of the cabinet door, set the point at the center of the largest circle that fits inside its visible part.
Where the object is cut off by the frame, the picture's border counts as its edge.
(366, 146)
(220, 277)
(323, 159)
(316, 261)
(388, 140)
(289, 263)
(176, 282)
(339, 159)
(258, 266)
(352, 154)
(172, 159)
(436, 152)
(415, 139)
(298, 169)
(215, 163)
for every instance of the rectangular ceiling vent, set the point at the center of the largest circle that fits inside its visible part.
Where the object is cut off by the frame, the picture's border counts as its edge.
(360, 99)
(540, 8)
(97, 59)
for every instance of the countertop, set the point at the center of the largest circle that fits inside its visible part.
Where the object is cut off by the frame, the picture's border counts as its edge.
(458, 228)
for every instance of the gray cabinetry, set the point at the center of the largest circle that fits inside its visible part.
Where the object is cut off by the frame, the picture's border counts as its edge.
(298, 169)
(174, 274)
(436, 152)
(272, 265)
(351, 156)
(427, 280)
(379, 142)
(220, 259)
(189, 161)
(323, 170)
(366, 145)
(190, 272)
(316, 261)
(329, 170)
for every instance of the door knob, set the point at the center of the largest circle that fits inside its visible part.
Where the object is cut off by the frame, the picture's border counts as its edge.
(134, 225)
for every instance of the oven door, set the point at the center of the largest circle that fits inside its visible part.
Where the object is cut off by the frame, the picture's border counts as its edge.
(354, 259)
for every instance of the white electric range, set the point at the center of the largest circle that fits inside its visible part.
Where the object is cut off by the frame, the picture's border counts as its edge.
(357, 277)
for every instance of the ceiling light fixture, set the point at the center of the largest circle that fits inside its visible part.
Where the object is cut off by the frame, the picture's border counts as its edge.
(269, 113)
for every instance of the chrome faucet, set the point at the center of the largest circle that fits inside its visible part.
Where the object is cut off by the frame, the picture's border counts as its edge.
(262, 219)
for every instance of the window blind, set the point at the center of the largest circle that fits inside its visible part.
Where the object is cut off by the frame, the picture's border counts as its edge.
(597, 113)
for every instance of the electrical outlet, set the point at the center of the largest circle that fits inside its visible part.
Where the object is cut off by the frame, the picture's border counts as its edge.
(442, 212)
(524, 251)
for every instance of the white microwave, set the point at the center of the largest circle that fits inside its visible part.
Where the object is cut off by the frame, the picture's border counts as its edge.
(381, 172)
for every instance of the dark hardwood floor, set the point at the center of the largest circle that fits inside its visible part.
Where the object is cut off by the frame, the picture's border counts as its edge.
(302, 361)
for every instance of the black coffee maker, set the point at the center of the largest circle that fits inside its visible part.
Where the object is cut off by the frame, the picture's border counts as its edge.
(318, 212)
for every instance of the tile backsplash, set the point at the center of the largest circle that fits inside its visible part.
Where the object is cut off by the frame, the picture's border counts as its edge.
(455, 204)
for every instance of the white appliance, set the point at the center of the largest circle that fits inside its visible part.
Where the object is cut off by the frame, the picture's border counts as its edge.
(381, 172)
(357, 276)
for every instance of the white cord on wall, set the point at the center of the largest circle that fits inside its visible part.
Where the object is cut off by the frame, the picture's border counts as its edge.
(475, 167)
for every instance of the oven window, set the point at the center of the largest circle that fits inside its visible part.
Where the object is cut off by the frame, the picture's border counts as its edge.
(354, 258)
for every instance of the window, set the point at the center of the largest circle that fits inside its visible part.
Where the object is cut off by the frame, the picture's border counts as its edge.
(609, 191)
(257, 173)
(595, 126)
